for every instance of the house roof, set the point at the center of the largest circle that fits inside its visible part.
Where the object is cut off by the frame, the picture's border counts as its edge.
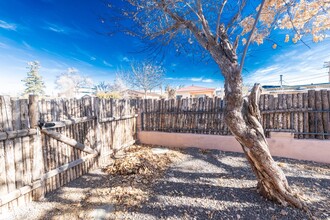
(195, 89)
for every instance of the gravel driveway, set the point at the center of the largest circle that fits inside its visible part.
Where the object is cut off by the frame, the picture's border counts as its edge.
(203, 185)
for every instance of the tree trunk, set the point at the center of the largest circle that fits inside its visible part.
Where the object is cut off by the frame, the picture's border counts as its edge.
(242, 118)
(145, 93)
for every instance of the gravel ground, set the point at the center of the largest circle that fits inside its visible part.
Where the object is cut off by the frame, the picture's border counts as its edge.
(208, 184)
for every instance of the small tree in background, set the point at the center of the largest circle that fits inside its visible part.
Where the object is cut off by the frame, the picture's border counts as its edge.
(145, 76)
(119, 86)
(33, 82)
(102, 87)
(71, 81)
(170, 91)
(117, 89)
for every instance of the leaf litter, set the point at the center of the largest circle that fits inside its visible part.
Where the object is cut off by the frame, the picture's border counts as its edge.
(132, 176)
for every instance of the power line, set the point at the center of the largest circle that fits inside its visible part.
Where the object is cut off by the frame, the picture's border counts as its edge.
(309, 78)
(327, 65)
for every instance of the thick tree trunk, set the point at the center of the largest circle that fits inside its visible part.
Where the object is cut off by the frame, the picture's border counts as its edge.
(242, 118)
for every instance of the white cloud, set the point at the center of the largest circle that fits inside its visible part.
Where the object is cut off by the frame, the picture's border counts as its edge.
(196, 79)
(7, 26)
(56, 28)
(208, 80)
(125, 59)
(107, 64)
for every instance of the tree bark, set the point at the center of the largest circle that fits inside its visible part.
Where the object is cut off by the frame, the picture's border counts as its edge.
(242, 118)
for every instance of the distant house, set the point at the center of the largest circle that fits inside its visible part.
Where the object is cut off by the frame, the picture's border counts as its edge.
(293, 89)
(195, 92)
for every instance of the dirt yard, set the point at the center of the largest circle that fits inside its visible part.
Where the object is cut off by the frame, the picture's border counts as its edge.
(180, 184)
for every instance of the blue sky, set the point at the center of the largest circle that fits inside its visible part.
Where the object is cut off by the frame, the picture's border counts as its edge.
(69, 34)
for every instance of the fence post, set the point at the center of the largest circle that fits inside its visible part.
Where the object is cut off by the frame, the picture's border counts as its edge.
(98, 140)
(38, 162)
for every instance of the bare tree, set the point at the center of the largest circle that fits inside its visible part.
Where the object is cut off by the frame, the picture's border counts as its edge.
(71, 81)
(144, 76)
(170, 91)
(220, 27)
(102, 87)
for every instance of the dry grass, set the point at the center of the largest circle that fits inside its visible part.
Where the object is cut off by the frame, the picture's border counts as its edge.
(132, 176)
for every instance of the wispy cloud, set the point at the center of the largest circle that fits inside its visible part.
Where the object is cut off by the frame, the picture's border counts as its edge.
(125, 59)
(107, 64)
(7, 26)
(85, 53)
(299, 66)
(196, 79)
(192, 79)
(57, 28)
(208, 80)
(62, 29)
(4, 46)
(28, 46)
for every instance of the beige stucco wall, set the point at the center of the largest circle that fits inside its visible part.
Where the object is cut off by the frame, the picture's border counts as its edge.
(195, 94)
(281, 144)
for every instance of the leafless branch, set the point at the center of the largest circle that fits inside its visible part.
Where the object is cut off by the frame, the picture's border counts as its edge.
(205, 24)
(237, 15)
(218, 20)
(293, 26)
(251, 34)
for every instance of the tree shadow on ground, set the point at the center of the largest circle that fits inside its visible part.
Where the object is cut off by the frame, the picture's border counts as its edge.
(193, 194)
(205, 186)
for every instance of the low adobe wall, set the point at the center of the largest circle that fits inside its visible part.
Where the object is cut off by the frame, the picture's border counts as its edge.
(281, 144)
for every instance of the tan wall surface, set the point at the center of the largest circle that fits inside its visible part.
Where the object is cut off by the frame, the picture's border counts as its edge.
(281, 144)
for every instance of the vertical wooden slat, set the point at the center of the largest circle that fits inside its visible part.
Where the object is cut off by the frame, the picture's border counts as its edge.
(3, 167)
(37, 165)
(271, 106)
(311, 104)
(266, 116)
(319, 115)
(295, 117)
(3, 173)
(261, 107)
(276, 115)
(18, 147)
(326, 115)
(283, 106)
(9, 144)
(300, 105)
(306, 115)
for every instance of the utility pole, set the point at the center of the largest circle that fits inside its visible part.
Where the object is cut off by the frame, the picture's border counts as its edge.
(281, 80)
(327, 65)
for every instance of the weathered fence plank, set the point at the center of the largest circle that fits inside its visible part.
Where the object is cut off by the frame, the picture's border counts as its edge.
(78, 122)
(295, 113)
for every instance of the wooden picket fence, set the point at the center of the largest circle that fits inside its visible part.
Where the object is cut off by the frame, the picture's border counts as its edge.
(307, 115)
(78, 135)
